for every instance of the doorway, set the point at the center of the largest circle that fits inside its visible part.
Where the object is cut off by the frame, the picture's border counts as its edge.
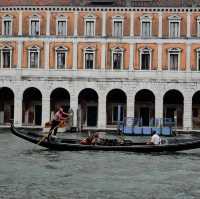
(144, 115)
(38, 114)
(92, 116)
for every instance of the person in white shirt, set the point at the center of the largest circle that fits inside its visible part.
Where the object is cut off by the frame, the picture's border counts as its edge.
(155, 139)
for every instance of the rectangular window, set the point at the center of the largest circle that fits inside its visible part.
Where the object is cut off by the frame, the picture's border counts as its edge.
(198, 60)
(174, 29)
(89, 29)
(117, 60)
(146, 29)
(145, 61)
(7, 27)
(62, 27)
(118, 113)
(6, 58)
(61, 60)
(117, 32)
(173, 61)
(35, 27)
(89, 60)
(34, 59)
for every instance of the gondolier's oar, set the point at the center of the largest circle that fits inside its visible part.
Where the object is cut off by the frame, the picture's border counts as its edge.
(46, 136)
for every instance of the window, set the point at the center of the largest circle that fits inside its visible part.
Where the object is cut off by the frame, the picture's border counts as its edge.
(90, 25)
(89, 58)
(61, 53)
(6, 57)
(7, 25)
(118, 112)
(174, 26)
(198, 58)
(145, 58)
(117, 30)
(146, 23)
(174, 58)
(34, 26)
(33, 57)
(61, 28)
(117, 58)
(198, 26)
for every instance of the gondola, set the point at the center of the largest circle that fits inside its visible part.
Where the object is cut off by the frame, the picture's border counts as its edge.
(62, 144)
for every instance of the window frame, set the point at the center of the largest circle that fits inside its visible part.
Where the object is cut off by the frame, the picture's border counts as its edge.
(198, 26)
(33, 49)
(93, 51)
(34, 18)
(1, 56)
(90, 18)
(10, 19)
(117, 18)
(173, 19)
(145, 18)
(142, 51)
(61, 18)
(175, 51)
(117, 50)
(62, 49)
(198, 59)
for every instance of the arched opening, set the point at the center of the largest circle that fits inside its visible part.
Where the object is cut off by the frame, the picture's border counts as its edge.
(32, 107)
(6, 105)
(88, 108)
(173, 108)
(59, 97)
(196, 110)
(116, 102)
(145, 108)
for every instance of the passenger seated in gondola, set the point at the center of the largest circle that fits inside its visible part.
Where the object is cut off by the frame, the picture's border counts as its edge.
(155, 139)
(91, 140)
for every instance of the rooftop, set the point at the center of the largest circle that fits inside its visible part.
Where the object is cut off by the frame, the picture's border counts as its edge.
(100, 3)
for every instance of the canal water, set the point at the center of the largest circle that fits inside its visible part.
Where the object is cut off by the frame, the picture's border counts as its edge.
(28, 171)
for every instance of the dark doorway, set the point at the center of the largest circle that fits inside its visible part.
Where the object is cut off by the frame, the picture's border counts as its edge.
(91, 116)
(144, 115)
(170, 113)
(38, 111)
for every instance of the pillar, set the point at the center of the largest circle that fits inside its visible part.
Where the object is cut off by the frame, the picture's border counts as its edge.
(75, 24)
(188, 24)
(46, 58)
(75, 57)
(160, 25)
(18, 109)
(130, 105)
(188, 57)
(102, 111)
(132, 25)
(48, 23)
(74, 107)
(20, 23)
(20, 54)
(159, 57)
(45, 109)
(131, 58)
(103, 56)
(103, 24)
(187, 115)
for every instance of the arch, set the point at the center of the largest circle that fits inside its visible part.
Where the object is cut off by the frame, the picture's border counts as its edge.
(173, 102)
(88, 108)
(32, 107)
(59, 97)
(196, 110)
(145, 107)
(116, 106)
(6, 105)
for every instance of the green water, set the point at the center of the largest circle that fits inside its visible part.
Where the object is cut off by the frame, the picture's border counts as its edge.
(28, 171)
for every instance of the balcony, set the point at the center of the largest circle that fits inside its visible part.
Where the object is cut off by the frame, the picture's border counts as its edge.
(98, 75)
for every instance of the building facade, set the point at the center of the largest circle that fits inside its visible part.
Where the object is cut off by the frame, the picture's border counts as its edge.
(105, 60)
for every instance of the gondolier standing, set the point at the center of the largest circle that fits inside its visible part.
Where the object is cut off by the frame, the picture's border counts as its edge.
(59, 116)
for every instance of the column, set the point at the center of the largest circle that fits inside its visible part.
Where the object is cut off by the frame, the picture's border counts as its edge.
(46, 58)
(20, 23)
(131, 58)
(103, 56)
(74, 107)
(160, 25)
(20, 54)
(159, 56)
(132, 25)
(130, 105)
(188, 24)
(75, 56)
(158, 106)
(18, 110)
(48, 23)
(188, 57)
(75, 24)
(45, 109)
(102, 111)
(103, 24)
(187, 116)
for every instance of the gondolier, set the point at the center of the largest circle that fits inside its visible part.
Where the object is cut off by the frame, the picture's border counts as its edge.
(59, 116)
